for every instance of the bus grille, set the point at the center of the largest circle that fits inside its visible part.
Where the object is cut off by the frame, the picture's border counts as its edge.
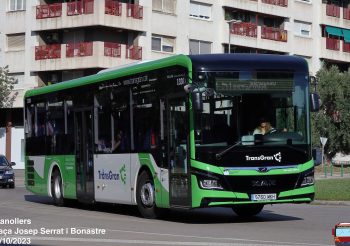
(262, 184)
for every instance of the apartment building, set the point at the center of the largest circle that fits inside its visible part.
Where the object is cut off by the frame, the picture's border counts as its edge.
(48, 41)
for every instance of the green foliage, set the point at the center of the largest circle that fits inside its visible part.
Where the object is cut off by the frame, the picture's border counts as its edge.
(333, 119)
(6, 87)
(333, 189)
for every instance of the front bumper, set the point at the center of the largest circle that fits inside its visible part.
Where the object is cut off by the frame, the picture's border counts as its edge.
(7, 180)
(211, 198)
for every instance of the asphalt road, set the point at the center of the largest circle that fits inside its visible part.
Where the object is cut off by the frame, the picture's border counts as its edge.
(277, 225)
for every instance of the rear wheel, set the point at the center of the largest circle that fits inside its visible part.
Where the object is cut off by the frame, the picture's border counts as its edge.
(12, 186)
(145, 196)
(56, 188)
(247, 210)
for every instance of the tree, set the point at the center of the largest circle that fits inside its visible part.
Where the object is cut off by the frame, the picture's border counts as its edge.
(333, 119)
(6, 87)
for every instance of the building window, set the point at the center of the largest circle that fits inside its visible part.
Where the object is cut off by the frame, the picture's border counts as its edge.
(163, 44)
(15, 42)
(19, 77)
(167, 6)
(15, 5)
(199, 47)
(302, 29)
(200, 10)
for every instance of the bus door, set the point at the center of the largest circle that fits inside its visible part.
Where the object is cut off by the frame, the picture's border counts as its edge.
(176, 125)
(83, 133)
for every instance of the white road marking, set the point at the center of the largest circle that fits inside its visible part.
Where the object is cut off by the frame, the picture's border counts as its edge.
(213, 238)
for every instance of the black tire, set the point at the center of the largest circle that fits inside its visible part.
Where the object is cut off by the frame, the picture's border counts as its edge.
(56, 188)
(4, 186)
(247, 210)
(12, 186)
(145, 196)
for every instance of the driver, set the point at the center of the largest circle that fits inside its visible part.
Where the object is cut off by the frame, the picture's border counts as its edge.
(264, 127)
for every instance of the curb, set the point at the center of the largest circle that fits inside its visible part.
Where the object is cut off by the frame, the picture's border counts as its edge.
(337, 203)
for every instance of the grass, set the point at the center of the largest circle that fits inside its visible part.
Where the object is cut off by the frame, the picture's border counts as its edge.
(333, 189)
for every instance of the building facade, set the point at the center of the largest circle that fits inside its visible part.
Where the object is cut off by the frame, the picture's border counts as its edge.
(48, 41)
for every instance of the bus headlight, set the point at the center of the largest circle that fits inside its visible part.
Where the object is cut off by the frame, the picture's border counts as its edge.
(308, 179)
(211, 184)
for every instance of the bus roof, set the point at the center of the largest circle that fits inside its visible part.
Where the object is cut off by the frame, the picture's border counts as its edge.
(225, 62)
(210, 62)
(181, 60)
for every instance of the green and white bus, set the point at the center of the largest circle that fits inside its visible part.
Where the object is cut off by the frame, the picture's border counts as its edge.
(175, 133)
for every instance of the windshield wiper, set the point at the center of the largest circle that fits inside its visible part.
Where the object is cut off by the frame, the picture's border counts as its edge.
(222, 153)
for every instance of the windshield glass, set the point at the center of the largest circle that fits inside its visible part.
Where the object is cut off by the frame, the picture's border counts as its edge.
(251, 108)
(3, 161)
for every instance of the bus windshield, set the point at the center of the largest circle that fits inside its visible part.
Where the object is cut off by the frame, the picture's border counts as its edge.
(236, 103)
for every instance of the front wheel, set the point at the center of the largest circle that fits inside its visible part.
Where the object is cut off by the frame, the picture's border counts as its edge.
(145, 196)
(56, 189)
(247, 210)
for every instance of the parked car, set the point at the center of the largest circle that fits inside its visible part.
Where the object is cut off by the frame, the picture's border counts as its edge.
(7, 175)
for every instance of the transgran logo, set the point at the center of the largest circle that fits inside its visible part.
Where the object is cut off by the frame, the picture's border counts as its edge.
(277, 157)
(112, 175)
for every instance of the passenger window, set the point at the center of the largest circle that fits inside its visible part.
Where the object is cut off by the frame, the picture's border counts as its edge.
(55, 119)
(40, 124)
(103, 140)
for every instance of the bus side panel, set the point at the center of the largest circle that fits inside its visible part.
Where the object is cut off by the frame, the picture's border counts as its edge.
(35, 178)
(66, 164)
(39, 171)
(160, 178)
(112, 178)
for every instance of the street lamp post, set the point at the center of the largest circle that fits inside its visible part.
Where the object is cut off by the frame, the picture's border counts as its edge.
(230, 22)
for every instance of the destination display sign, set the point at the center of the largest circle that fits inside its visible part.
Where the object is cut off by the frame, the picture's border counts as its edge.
(171, 77)
(233, 85)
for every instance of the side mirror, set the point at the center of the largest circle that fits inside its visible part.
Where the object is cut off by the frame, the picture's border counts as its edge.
(13, 164)
(314, 102)
(317, 156)
(197, 101)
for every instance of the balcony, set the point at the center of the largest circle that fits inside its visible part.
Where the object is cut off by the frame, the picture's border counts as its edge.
(282, 3)
(49, 11)
(135, 11)
(346, 47)
(52, 51)
(112, 49)
(113, 8)
(269, 7)
(335, 49)
(333, 10)
(244, 29)
(258, 37)
(275, 34)
(332, 44)
(79, 49)
(89, 13)
(346, 13)
(84, 55)
(80, 7)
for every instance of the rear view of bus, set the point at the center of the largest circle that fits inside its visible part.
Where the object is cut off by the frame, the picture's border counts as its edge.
(233, 164)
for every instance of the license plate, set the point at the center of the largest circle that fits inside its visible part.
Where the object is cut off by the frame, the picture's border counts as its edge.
(264, 197)
(0, 177)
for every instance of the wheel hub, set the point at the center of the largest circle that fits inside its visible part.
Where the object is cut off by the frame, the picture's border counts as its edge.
(147, 195)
